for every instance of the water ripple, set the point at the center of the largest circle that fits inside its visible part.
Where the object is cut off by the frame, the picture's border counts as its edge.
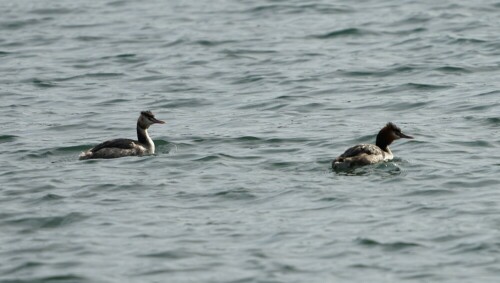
(31, 224)
(259, 97)
(49, 279)
(389, 246)
(7, 138)
(348, 32)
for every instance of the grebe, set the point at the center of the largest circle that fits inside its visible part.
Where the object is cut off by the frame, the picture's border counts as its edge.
(365, 154)
(126, 147)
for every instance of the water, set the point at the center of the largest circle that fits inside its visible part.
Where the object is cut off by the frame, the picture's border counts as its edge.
(259, 97)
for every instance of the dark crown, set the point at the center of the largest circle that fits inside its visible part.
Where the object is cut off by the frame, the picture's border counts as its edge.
(393, 127)
(148, 114)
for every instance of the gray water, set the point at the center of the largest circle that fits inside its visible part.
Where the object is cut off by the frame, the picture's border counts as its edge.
(259, 97)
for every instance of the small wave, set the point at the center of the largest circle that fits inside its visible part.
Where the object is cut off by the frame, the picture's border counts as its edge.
(348, 32)
(369, 266)
(249, 140)
(53, 11)
(86, 38)
(174, 43)
(406, 32)
(124, 58)
(47, 198)
(226, 157)
(43, 83)
(491, 183)
(415, 19)
(282, 164)
(463, 40)
(91, 75)
(81, 26)
(302, 8)
(55, 152)
(407, 105)
(59, 278)
(211, 43)
(475, 107)
(288, 140)
(167, 272)
(117, 3)
(269, 8)
(239, 52)
(421, 86)
(113, 102)
(248, 79)
(258, 105)
(34, 223)
(383, 169)
(17, 24)
(474, 248)
(495, 92)
(161, 143)
(176, 254)
(324, 8)
(186, 103)
(329, 199)
(310, 107)
(7, 138)
(76, 148)
(149, 78)
(38, 155)
(435, 192)
(495, 121)
(452, 70)
(398, 70)
(411, 86)
(125, 55)
(475, 143)
(24, 268)
(236, 194)
(208, 158)
(390, 246)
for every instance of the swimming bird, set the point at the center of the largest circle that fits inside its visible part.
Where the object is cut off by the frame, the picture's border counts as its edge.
(144, 145)
(365, 154)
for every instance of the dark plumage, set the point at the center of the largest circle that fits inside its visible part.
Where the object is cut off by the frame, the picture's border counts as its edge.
(116, 143)
(127, 147)
(365, 154)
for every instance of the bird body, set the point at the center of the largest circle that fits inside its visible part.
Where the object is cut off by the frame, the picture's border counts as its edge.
(365, 154)
(144, 145)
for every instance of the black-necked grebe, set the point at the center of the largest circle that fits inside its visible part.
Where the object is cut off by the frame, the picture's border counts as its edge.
(365, 154)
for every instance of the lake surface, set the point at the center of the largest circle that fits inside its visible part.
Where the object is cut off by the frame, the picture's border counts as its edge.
(259, 97)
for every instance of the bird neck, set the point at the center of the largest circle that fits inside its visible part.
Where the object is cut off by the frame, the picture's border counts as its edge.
(144, 139)
(383, 141)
